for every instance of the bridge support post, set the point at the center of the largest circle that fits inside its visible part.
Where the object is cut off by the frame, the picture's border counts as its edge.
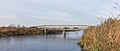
(45, 32)
(64, 33)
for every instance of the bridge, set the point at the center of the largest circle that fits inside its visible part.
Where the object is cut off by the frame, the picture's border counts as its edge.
(63, 28)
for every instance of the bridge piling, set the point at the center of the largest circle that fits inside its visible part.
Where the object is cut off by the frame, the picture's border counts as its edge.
(64, 33)
(45, 31)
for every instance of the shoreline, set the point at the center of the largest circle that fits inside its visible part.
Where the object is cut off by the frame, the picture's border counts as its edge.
(14, 31)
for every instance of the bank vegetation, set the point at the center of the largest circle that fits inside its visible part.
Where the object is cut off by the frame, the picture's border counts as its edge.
(103, 37)
(15, 31)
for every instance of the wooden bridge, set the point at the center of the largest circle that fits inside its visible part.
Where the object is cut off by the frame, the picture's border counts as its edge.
(63, 28)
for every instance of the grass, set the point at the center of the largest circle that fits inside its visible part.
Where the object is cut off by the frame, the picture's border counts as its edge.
(103, 37)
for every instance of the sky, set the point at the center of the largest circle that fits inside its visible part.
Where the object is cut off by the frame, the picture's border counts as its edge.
(39, 12)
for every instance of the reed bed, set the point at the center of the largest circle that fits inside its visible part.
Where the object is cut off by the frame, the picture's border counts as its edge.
(103, 37)
(13, 31)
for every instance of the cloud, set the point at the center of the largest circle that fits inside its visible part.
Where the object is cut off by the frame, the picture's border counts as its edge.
(54, 11)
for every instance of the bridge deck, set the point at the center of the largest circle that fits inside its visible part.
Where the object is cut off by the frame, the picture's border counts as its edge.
(62, 26)
(63, 29)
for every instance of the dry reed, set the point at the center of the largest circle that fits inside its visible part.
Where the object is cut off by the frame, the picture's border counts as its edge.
(103, 37)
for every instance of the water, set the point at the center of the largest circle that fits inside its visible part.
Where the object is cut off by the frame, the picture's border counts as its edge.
(41, 43)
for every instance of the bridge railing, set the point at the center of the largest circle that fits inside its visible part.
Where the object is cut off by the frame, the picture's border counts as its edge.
(63, 26)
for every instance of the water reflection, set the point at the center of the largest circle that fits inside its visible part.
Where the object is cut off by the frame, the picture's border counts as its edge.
(41, 43)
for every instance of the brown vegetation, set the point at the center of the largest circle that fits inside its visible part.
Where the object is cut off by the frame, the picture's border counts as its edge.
(103, 37)
(13, 31)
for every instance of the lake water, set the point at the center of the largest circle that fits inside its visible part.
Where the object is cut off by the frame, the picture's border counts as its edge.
(41, 43)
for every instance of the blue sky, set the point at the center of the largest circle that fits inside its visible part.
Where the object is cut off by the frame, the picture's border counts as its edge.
(36, 12)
